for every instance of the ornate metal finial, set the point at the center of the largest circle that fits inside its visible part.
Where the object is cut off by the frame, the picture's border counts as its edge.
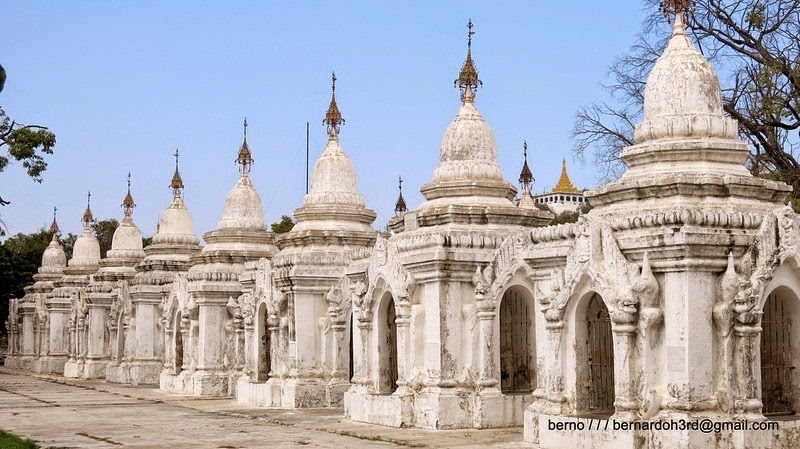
(127, 203)
(333, 118)
(468, 80)
(400, 205)
(88, 218)
(54, 226)
(245, 158)
(525, 176)
(177, 181)
(676, 8)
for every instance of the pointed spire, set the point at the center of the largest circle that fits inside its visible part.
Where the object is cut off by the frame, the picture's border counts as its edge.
(564, 184)
(54, 226)
(333, 118)
(127, 203)
(468, 81)
(400, 206)
(525, 176)
(88, 218)
(245, 158)
(177, 182)
(678, 9)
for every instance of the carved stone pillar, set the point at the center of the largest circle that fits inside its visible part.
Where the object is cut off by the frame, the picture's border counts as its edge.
(747, 331)
(625, 368)
(554, 383)
(275, 339)
(363, 361)
(486, 316)
(183, 359)
(338, 354)
(168, 328)
(250, 355)
(403, 322)
(239, 342)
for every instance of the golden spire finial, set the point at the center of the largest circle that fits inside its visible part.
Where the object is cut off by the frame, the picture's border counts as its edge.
(468, 80)
(400, 205)
(54, 226)
(127, 203)
(333, 118)
(177, 181)
(564, 184)
(245, 158)
(525, 176)
(88, 218)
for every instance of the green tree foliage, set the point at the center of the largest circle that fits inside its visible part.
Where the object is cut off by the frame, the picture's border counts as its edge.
(68, 243)
(25, 143)
(285, 225)
(570, 217)
(20, 258)
(22, 143)
(104, 231)
(755, 45)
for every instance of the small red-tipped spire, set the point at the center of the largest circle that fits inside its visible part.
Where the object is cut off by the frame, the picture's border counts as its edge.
(54, 226)
(400, 206)
(127, 203)
(525, 176)
(177, 181)
(88, 218)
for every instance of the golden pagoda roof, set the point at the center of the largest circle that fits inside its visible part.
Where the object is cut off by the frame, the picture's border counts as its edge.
(564, 185)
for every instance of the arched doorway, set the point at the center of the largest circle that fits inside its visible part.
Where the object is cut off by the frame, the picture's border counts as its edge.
(263, 341)
(600, 353)
(178, 338)
(777, 356)
(388, 349)
(351, 365)
(516, 342)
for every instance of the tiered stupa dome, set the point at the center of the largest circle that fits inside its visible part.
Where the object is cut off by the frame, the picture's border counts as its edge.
(176, 224)
(333, 201)
(682, 97)
(54, 258)
(467, 186)
(243, 208)
(127, 240)
(684, 128)
(333, 180)
(468, 167)
(685, 146)
(86, 251)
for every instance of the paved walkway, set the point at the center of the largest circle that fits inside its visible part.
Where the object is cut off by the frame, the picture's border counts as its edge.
(69, 413)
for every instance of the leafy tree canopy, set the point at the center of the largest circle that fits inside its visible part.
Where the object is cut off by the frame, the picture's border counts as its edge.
(27, 144)
(285, 225)
(104, 231)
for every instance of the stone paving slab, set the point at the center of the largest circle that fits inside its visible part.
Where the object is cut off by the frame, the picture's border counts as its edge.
(70, 413)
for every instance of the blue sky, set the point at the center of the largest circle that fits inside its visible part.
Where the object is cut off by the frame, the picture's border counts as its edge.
(123, 83)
